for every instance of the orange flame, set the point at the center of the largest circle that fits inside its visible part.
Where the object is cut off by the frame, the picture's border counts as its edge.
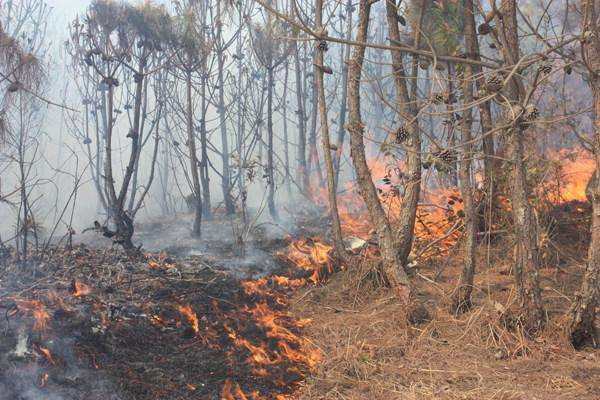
(311, 255)
(40, 315)
(45, 352)
(232, 391)
(191, 316)
(571, 174)
(438, 214)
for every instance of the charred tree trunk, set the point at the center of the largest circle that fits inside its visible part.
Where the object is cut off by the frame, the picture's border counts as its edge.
(395, 275)
(462, 296)
(485, 112)
(313, 155)
(583, 330)
(123, 224)
(286, 153)
(226, 178)
(526, 260)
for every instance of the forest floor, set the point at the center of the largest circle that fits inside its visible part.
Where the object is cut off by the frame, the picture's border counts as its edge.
(215, 324)
(370, 353)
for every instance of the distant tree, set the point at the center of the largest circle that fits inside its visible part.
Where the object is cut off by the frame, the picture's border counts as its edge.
(271, 51)
(190, 48)
(23, 47)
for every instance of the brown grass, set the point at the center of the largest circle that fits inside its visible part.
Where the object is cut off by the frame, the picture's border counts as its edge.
(369, 351)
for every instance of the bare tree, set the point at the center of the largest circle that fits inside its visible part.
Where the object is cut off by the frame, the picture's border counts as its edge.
(120, 41)
(271, 51)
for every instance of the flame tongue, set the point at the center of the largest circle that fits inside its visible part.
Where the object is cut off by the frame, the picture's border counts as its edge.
(191, 316)
(45, 352)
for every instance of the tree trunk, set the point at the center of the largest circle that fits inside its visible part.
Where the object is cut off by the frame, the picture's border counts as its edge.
(191, 139)
(527, 261)
(408, 111)
(286, 153)
(393, 271)
(583, 330)
(320, 85)
(462, 296)
(485, 114)
(226, 178)
(301, 155)
(270, 166)
(204, 177)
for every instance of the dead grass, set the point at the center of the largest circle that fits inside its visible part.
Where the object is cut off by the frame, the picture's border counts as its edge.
(369, 352)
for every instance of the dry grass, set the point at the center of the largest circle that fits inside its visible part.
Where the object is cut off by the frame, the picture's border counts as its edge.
(371, 353)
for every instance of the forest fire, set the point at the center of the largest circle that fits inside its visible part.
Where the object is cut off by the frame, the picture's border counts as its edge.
(312, 256)
(438, 218)
(242, 201)
(251, 331)
(569, 176)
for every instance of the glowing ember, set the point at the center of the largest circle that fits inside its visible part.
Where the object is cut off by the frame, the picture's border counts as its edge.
(80, 289)
(191, 316)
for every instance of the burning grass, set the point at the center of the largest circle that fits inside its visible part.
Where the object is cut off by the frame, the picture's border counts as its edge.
(158, 327)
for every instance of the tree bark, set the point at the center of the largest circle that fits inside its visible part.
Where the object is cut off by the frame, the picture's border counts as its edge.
(204, 176)
(345, 59)
(301, 155)
(270, 149)
(226, 176)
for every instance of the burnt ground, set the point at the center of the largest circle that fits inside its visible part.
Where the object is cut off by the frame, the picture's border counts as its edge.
(115, 329)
